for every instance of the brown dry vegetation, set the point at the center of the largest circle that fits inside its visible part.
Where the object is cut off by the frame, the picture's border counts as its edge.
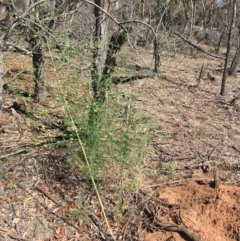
(45, 196)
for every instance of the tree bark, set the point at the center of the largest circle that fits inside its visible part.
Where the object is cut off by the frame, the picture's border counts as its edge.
(235, 63)
(1, 77)
(156, 56)
(225, 71)
(217, 49)
(39, 69)
(192, 19)
(100, 51)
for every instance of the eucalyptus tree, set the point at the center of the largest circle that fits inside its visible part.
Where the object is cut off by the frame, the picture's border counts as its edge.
(35, 21)
(109, 37)
(230, 35)
(39, 27)
(11, 19)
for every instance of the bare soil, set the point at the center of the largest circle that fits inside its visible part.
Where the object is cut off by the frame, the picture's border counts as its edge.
(194, 131)
(208, 213)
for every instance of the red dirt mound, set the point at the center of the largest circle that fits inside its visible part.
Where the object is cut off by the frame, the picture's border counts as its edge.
(211, 214)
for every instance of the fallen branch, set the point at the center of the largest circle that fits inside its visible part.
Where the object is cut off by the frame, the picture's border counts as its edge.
(17, 237)
(234, 99)
(197, 47)
(47, 195)
(172, 156)
(176, 228)
(171, 227)
(12, 154)
(125, 79)
(235, 148)
(180, 158)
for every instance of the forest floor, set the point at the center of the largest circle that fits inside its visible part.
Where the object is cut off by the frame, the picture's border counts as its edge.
(194, 131)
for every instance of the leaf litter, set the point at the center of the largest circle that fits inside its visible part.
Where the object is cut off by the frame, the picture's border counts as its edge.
(194, 130)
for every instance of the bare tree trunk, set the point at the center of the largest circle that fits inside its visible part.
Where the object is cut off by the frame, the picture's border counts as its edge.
(235, 62)
(103, 61)
(192, 19)
(156, 56)
(100, 51)
(1, 77)
(142, 6)
(186, 24)
(217, 49)
(225, 71)
(38, 69)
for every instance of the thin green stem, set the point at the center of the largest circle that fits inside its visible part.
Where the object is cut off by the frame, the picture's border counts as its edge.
(85, 158)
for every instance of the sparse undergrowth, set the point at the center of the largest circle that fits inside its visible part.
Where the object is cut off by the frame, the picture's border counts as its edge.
(113, 147)
(131, 151)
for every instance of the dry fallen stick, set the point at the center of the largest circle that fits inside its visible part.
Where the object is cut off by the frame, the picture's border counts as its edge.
(171, 227)
(184, 157)
(235, 148)
(172, 156)
(176, 228)
(17, 237)
(12, 154)
(47, 195)
(126, 79)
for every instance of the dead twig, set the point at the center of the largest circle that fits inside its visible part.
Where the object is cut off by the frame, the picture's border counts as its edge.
(12, 154)
(163, 150)
(180, 158)
(236, 149)
(210, 154)
(169, 205)
(47, 195)
(17, 237)
(234, 99)
(179, 182)
(126, 79)
(197, 47)
(176, 158)
(46, 208)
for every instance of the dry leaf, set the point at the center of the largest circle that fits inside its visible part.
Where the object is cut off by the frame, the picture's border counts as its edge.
(26, 201)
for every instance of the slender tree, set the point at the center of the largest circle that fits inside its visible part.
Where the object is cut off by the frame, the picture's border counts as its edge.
(99, 80)
(225, 71)
(12, 20)
(39, 26)
(235, 63)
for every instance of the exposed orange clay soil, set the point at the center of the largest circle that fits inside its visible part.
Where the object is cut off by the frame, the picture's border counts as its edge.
(211, 214)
